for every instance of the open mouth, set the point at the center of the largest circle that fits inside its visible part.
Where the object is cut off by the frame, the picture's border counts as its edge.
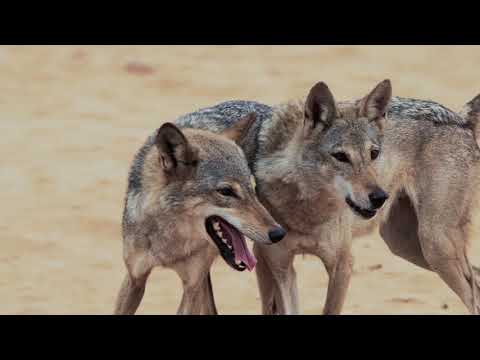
(364, 213)
(231, 243)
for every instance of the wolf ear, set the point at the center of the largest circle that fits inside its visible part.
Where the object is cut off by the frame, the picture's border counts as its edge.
(471, 110)
(320, 109)
(175, 153)
(239, 130)
(471, 113)
(374, 105)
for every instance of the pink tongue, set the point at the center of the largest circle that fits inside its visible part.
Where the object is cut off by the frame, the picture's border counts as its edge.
(240, 247)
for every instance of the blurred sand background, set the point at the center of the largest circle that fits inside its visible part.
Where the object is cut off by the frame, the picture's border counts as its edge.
(71, 118)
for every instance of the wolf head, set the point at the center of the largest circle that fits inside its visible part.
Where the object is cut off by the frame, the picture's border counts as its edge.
(208, 174)
(345, 140)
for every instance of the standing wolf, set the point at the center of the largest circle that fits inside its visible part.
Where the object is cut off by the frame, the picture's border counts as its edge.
(324, 168)
(190, 196)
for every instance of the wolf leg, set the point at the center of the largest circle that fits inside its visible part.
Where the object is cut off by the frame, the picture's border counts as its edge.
(194, 274)
(207, 298)
(476, 272)
(133, 286)
(339, 266)
(191, 301)
(286, 292)
(277, 280)
(399, 230)
(266, 283)
(445, 251)
(130, 295)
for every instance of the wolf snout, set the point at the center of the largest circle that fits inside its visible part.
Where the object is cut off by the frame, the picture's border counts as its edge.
(378, 198)
(276, 234)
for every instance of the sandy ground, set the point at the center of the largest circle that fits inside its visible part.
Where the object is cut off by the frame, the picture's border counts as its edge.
(72, 118)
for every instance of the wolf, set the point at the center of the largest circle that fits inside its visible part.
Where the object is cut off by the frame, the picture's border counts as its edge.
(190, 197)
(330, 171)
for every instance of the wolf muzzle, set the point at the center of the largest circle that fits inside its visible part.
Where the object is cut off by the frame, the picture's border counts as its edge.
(276, 234)
(377, 198)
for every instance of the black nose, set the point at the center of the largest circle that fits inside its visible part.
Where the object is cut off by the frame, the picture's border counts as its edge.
(378, 198)
(276, 234)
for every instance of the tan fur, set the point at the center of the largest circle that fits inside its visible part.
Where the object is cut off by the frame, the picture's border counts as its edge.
(165, 212)
(429, 170)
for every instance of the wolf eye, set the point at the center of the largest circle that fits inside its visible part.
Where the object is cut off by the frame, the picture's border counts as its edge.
(374, 153)
(227, 191)
(341, 156)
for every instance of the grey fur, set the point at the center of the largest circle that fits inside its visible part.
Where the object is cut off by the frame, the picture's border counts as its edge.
(429, 165)
(219, 117)
(172, 189)
(423, 110)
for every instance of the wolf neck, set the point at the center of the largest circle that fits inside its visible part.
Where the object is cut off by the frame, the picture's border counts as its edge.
(279, 157)
(277, 152)
(286, 186)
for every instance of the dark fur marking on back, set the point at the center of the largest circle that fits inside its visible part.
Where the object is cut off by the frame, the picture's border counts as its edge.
(424, 110)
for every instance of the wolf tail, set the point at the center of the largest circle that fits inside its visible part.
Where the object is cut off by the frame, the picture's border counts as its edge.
(471, 113)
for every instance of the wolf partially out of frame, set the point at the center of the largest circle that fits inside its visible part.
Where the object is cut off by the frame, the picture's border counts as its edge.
(328, 171)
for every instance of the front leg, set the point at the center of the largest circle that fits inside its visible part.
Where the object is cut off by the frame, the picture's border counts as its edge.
(334, 249)
(191, 300)
(130, 294)
(133, 286)
(339, 273)
(266, 283)
(277, 279)
(194, 273)
(286, 298)
(208, 300)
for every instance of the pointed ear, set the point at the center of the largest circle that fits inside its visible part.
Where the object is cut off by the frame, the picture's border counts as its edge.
(471, 110)
(374, 105)
(175, 153)
(471, 113)
(238, 131)
(320, 109)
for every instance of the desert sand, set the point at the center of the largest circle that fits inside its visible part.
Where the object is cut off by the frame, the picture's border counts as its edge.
(71, 118)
